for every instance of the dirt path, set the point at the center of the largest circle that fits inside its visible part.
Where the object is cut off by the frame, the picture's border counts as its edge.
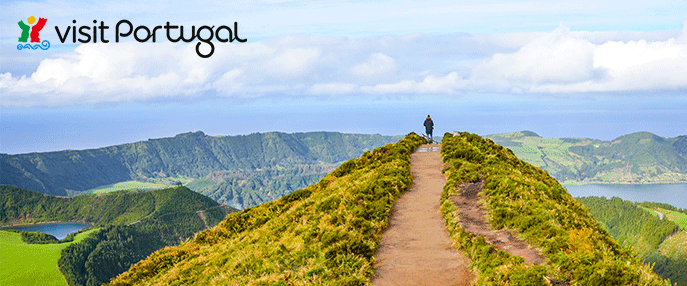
(472, 220)
(415, 249)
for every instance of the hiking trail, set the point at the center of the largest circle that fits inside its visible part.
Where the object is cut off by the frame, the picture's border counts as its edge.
(416, 249)
(472, 220)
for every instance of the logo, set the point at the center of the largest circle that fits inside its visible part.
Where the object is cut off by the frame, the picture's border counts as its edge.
(33, 31)
(143, 34)
(124, 28)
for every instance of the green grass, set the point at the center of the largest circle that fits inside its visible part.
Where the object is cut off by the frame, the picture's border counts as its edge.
(152, 184)
(649, 210)
(31, 264)
(675, 249)
(677, 217)
(128, 185)
(675, 246)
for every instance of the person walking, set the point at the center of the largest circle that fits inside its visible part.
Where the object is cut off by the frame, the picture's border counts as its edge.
(429, 126)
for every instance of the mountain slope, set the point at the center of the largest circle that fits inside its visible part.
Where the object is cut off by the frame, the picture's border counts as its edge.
(325, 234)
(640, 157)
(222, 161)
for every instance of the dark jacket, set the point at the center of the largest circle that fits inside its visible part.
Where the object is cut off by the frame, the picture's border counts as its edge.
(429, 125)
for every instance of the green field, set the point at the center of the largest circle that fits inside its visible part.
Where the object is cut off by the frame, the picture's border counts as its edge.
(31, 264)
(152, 184)
(649, 210)
(127, 185)
(677, 217)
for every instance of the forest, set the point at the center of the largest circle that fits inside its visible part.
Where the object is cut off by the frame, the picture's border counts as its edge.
(633, 226)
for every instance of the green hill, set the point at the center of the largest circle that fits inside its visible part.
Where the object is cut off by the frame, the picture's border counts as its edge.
(132, 224)
(656, 240)
(527, 201)
(242, 170)
(327, 233)
(640, 157)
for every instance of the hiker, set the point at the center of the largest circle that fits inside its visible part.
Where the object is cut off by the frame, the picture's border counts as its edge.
(429, 126)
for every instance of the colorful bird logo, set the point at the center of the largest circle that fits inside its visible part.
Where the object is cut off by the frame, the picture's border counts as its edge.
(33, 31)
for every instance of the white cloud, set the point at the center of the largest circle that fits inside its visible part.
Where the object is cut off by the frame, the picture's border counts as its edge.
(333, 88)
(555, 57)
(292, 61)
(564, 62)
(228, 83)
(560, 61)
(376, 64)
(448, 84)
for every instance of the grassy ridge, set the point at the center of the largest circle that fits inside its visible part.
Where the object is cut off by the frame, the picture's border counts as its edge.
(325, 234)
(31, 264)
(520, 197)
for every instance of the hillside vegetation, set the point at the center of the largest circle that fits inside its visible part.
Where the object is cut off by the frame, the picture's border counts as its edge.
(133, 225)
(527, 201)
(241, 171)
(640, 157)
(325, 234)
(19, 206)
(631, 225)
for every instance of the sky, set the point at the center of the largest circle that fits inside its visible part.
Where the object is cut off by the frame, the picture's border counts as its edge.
(597, 69)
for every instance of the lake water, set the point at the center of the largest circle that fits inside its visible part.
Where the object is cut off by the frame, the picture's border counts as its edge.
(58, 229)
(673, 194)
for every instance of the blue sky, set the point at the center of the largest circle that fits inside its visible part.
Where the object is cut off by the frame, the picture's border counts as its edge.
(597, 69)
